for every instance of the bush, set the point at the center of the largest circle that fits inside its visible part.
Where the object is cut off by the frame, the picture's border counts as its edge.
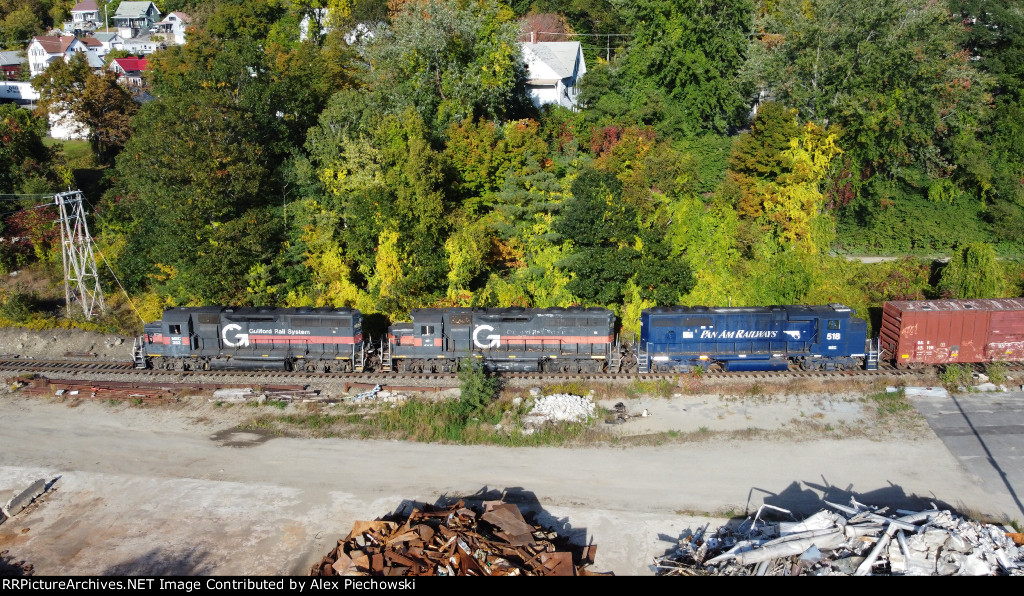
(996, 372)
(477, 388)
(956, 375)
(17, 306)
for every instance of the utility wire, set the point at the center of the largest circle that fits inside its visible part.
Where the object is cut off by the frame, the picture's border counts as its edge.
(114, 275)
(19, 197)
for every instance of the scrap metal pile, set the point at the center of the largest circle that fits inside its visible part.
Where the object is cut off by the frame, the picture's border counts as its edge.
(855, 541)
(456, 540)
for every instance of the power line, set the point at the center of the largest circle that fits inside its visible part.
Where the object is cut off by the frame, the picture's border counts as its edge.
(586, 34)
(608, 40)
(20, 197)
(114, 275)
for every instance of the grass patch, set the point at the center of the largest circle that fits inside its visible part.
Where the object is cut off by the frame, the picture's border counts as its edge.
(432, 421)
(77, 153)
(654, 388)
(572, 388)
(891, 404)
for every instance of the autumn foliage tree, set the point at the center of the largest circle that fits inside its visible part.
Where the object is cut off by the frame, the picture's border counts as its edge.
(96, 101)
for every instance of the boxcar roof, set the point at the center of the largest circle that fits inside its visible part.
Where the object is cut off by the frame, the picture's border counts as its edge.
(982, 304)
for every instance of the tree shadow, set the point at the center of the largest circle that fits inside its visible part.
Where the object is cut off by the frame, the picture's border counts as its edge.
(10, 567)
(163, 562)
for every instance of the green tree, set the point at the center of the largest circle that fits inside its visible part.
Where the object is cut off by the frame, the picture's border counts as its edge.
(995, 38)
(891, 75)
(450, 61)
(680, 70)
(23, 156)
(203, 156)
(98, 102)
(973, 272)
(18, 24)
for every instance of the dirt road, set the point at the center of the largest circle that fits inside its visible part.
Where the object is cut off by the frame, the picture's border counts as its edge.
(178, 492)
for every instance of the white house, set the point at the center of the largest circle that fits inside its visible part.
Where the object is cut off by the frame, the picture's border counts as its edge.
(108, 41)
(135, 18)
(142, 45)
(85, 16)
(173, 26)
(554, 69)
(44, 49)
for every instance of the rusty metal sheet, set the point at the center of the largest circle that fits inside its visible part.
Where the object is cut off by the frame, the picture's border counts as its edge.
(455, 541)
(512, 527)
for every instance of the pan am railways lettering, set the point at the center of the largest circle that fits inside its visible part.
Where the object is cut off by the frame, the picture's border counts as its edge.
(738, 334)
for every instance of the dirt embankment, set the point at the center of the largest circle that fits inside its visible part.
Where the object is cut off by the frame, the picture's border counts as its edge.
(57, 343)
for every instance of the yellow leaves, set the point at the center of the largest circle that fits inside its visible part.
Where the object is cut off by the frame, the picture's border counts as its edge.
(338, 12)
(388, 270)
(791, 205)
(167, 272)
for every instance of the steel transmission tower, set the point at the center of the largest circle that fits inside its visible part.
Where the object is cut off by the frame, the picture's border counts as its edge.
(81, 281)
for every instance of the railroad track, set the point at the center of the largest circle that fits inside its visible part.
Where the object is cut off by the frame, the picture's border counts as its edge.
(84, 369)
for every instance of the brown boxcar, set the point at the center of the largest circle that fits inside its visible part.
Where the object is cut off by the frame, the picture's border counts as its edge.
(948, 331)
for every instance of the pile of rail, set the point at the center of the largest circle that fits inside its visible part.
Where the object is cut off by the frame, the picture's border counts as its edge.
(855, 541)
(456, 540)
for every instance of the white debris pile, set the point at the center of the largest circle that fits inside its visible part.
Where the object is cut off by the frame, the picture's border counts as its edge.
(560, 407)
(857, 540)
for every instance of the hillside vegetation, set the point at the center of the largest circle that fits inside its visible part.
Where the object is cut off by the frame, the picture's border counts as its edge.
(725, 153)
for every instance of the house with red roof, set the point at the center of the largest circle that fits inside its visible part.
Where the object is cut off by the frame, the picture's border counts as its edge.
(129, 70)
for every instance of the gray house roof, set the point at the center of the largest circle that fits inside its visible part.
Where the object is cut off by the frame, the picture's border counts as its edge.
(10, 57)
(550, 61)
(132, 9)
(105, 37)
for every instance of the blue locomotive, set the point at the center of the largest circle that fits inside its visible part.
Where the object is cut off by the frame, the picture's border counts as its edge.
(682, 339)
(213, 337)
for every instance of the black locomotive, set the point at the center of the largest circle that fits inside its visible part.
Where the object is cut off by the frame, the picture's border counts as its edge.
(211, 337)
(505, 339)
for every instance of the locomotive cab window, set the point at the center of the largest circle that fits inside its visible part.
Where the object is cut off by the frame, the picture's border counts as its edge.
(833, 325)
(174, 329)
(427, 330)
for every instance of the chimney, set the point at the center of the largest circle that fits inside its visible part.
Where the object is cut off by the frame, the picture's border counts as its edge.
(533, 37)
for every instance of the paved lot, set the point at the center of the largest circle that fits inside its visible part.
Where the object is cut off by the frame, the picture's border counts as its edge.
(985, 432)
